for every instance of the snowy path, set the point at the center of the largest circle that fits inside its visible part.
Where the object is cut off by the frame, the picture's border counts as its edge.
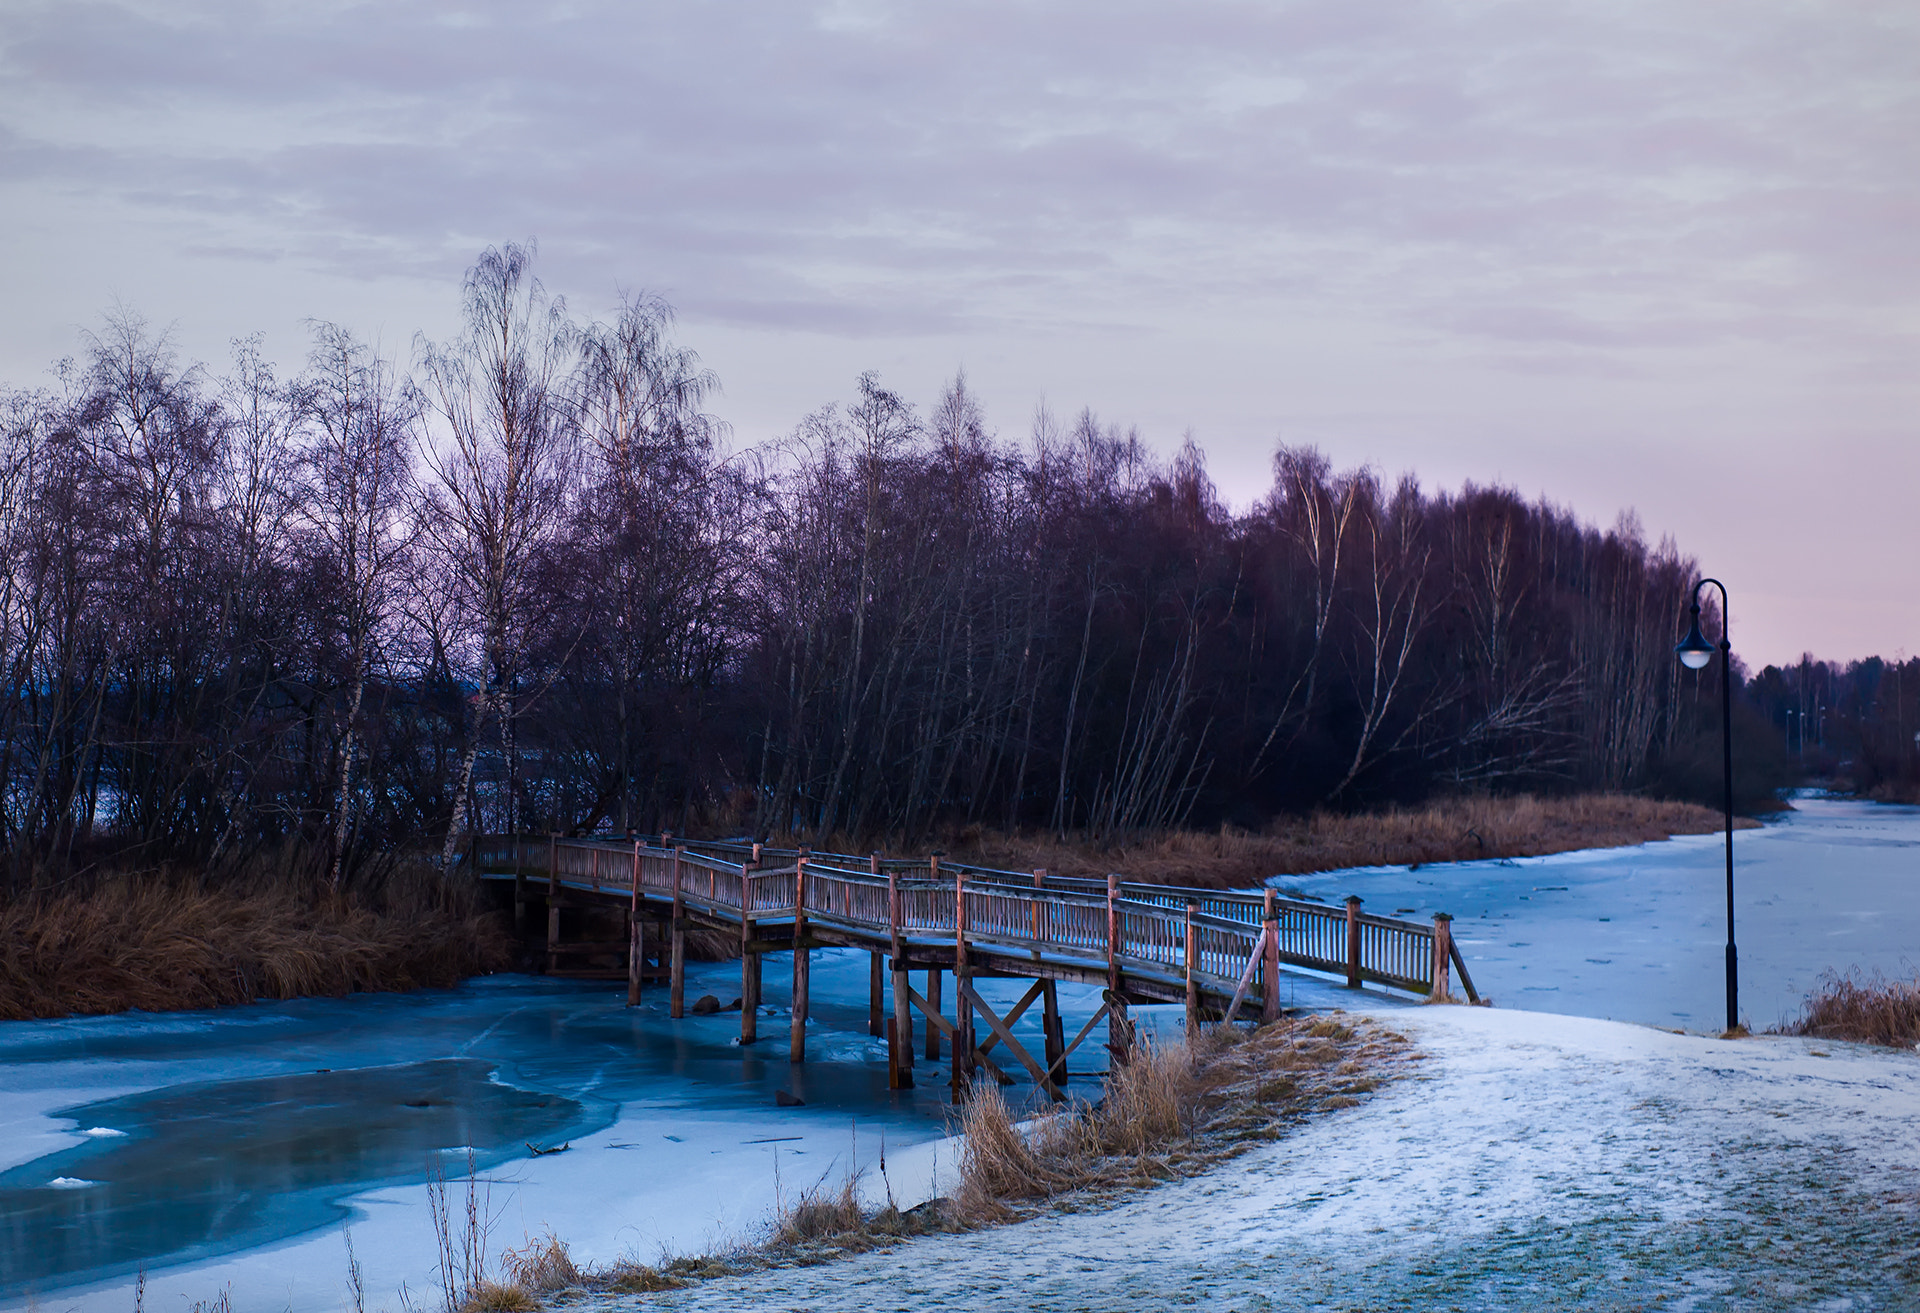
(1531, 1161)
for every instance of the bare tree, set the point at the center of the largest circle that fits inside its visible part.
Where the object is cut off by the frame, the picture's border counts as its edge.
(356, 495)
(501, 462)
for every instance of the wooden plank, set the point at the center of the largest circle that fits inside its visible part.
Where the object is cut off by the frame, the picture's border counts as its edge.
(1246, 977)
(1005, 1036)
(1466, 981)
(1085, 1031)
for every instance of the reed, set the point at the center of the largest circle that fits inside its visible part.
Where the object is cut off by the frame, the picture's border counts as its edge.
(1870, 1010)
(163, 939)
(1457, 829)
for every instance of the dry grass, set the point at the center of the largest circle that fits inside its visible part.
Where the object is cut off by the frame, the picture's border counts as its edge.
(163, 940)
(819, 1213)
(500, 1297)
(542, 1265)
(1175, 1110)
(1871, 1011)
(1458, 829)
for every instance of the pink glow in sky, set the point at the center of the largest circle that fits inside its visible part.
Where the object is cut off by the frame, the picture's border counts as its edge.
(1659, 256)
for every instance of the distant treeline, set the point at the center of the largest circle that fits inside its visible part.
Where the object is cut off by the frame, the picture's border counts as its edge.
(1856, 724)
(524, 581)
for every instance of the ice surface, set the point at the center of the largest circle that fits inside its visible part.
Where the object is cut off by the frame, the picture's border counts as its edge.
(251, 1137)
(1638, 933)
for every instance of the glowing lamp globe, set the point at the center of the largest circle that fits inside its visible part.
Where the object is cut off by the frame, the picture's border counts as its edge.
(1694, 650)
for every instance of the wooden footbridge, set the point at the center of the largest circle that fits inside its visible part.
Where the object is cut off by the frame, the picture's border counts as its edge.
(1141, 943)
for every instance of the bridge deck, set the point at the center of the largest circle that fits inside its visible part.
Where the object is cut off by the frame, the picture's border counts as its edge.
(1142, 942)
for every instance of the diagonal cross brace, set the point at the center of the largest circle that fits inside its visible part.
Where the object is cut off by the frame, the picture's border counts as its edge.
(1002, 1032)
(945, 1027)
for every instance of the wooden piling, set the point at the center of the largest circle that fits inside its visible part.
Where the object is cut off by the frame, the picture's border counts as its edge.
(677, 969)
(1119, 1027)
(1193, 983)
(1270, 967)
(636, 936)
(1442, 952)
(802, 964)
(899, 1054)
(876, 974)
(963, 1044)
(1353, 941)
(749, 956)
(1054, 1033)
(900, 1038)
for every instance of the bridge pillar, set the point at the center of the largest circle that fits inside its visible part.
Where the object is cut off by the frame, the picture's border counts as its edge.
(636, 954)
(1353, 940)
(802, 965)
(1055, 1034)
(749, 983)
(677, 948)
(1442, 946)
(876, 994)
(902, 1037)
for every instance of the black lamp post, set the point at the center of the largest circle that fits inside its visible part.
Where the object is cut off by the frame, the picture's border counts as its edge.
(1695, 652)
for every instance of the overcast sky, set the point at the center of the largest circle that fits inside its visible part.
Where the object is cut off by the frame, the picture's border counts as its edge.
(1662, 256)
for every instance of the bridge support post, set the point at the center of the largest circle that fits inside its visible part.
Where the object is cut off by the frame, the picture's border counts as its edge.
(677, 969)
(749, 956)
(963, 1044)
(636, 934)
(1119, 1028)
(1353, 941)
(1270, 968)
(1270, 973)
(1193, 985)
(1442, 951)
(802, 965)
(749, 991)
(876, 966)
(636, 954)
(900, 1036)
(899, 1057)
(1054, 1033)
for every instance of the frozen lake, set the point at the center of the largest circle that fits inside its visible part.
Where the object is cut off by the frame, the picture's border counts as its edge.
(1638, 934)
(232, 1149)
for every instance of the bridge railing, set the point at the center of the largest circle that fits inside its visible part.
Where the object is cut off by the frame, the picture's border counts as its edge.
(1133, 926)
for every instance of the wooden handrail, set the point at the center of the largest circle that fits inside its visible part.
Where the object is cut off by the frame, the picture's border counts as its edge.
(1124, 926)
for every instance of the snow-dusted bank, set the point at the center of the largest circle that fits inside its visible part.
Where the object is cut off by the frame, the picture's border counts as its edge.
(1532, 1161)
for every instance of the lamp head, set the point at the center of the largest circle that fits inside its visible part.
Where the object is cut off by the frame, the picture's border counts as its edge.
(1694, 650)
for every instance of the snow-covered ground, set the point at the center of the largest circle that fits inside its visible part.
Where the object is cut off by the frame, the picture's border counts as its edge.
(1530, 1162)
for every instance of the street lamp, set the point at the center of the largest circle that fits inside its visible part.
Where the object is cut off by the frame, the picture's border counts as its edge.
(1695, 652)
